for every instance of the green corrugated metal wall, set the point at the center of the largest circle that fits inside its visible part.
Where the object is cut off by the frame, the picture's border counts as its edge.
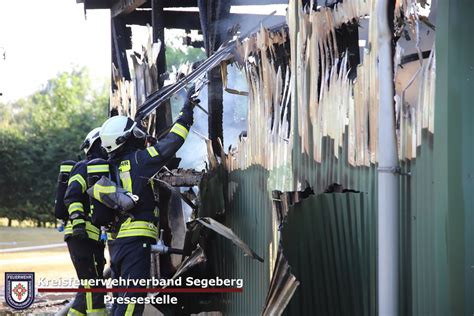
(417, 232)
(249, 215)
(454, 155)
(436, 209)
(327, 243)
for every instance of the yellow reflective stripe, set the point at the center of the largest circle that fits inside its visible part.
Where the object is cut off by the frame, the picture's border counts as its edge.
(180, 130)
(78, 221)
(97, 168)
(73, 312)
(138, 233)
(98, 189)
(68, 229)
(65, 168)
(130, 309)
(110, 237)
(152, 151)
(74, 207)
(92, 227)
(138, 228)
(80, 179)
(137, 224)
(126, 181)
(92, 231)
(88, 297)
(125, 166)
(96, 312)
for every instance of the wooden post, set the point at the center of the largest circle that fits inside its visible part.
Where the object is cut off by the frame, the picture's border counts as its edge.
(163, 119)
(163, 113)
(213, 15)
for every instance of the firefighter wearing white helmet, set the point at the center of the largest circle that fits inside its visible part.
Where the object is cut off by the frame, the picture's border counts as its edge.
(90, 139)
(131, 166)
(82, 237)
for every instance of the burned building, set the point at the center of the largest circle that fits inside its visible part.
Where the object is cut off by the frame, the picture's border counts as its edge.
(300, 188)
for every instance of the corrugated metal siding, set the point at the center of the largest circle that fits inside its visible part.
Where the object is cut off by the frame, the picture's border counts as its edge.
(327, 241)
(363, 179)
(249, 215)
(417, 232)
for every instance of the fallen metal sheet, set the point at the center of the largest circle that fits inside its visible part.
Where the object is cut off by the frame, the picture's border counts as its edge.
(229, 234)
(193, 260)
(282, 287)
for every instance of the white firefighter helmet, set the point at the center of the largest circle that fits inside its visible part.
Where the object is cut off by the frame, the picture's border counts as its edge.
(90, 139)
(116, 130)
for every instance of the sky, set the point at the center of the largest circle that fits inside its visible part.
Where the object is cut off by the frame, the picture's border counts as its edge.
(51, 36)
(41, 38)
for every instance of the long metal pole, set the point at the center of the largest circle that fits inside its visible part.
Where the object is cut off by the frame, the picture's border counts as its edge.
(387, 178)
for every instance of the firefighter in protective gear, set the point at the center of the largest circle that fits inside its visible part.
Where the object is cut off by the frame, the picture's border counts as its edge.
(132, 168)
(82, 237)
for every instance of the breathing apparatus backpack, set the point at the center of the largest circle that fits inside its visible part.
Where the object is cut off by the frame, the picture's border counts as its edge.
(101, 215)
(60, 209)
(108, 200)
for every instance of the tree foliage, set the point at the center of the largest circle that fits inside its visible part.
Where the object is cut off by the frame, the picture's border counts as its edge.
(177, 56)
(37, 133)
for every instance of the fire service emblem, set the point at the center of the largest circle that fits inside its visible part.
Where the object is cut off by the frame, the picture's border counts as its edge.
(19, 289)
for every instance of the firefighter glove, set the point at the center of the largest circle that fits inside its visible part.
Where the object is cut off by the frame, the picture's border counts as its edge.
(78, 225)
(186, 115)
(79, 230)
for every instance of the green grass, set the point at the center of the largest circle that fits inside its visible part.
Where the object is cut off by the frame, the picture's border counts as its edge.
(13, 237)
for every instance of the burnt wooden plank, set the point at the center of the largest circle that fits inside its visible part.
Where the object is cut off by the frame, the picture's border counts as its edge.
(163, 113)
(124, 7)
(170, 20)
(121, 41)
(96, 4)
(260, 2)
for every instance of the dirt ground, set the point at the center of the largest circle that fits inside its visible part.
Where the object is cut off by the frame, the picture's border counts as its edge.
(50, 263)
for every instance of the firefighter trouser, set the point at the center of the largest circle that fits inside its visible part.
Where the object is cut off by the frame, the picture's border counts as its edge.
(87, 257)
(110, 245)
(131, 260)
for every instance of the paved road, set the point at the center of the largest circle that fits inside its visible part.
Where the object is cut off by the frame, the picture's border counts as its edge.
(33, 248)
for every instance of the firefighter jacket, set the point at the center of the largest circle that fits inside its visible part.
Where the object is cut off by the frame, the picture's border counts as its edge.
(133, 169)
(77, 200)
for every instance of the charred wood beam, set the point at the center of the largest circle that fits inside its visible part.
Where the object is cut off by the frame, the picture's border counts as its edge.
(139, 17)
(196, 44)
(174, 19)
(127, 6)
(96, 4)
(163, 113)
(414, 57)
(216, 108)
(124, 7)
(171, 19)
(213, 16)
(260, 2)
(347, 37)
(182, 177)
(174, 4)
(121, 41)
(163, 119)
